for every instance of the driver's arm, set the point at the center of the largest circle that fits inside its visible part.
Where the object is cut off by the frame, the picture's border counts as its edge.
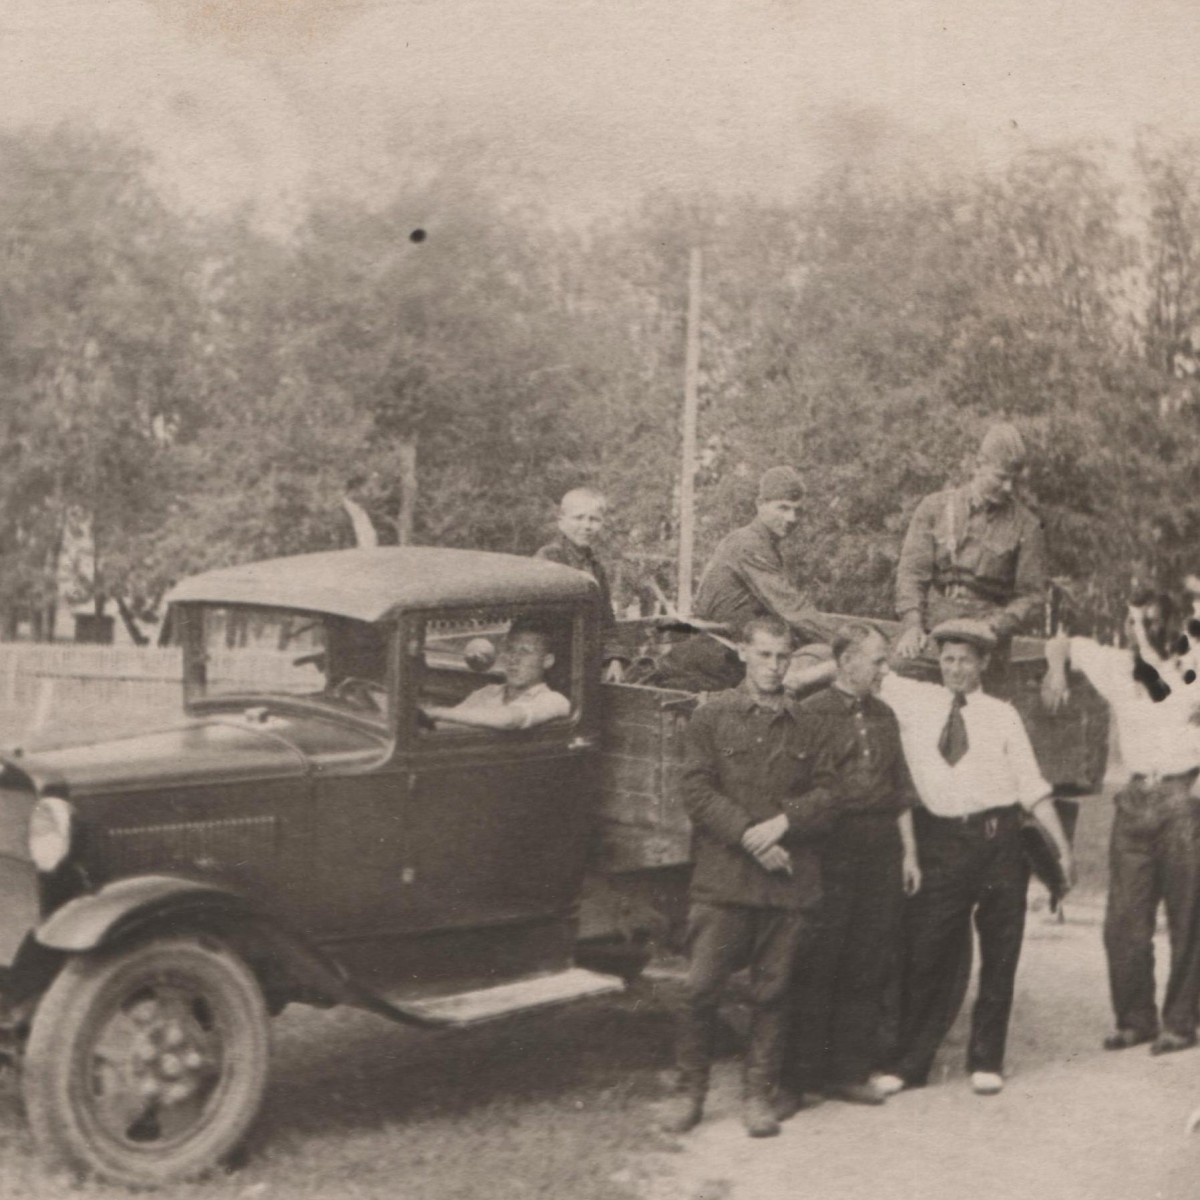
(500, 716)
(484, 710)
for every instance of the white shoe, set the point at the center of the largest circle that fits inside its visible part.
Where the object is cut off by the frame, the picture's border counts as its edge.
(888, 1085)
(986, 1083)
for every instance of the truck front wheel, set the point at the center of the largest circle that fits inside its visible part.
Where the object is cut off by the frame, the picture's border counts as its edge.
(146, 1064)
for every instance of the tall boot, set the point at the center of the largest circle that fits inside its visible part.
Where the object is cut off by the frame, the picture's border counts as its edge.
(694, 1052)
(760, 1078)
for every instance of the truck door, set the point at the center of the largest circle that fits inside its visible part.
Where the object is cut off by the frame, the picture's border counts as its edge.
(497, 820)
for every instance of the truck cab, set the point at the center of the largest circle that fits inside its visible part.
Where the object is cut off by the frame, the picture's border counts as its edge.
(305, 832)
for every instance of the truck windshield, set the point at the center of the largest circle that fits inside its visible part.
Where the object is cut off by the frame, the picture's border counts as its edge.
(252, 654)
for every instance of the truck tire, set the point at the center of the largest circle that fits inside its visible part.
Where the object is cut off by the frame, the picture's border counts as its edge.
(146, 1064)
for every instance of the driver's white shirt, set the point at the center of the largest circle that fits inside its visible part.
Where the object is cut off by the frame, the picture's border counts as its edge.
(536, 704)
(999, 767)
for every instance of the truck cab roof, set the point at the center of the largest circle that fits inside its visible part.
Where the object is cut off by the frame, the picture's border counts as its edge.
(377, 584)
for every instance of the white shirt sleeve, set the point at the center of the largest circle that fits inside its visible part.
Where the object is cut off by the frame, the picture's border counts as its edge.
(1106, 667)
(545, 705)
(904, 696)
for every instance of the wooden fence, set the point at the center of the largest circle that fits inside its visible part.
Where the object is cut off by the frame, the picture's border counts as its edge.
(50, 690)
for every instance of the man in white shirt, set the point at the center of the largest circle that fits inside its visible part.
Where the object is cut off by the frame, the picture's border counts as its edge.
(974, 771)
(1154, 853)
(524, 698)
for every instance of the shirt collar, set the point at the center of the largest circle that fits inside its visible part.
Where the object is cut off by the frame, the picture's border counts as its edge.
(763, 531)
(975, 504)
(848, 700)
(748, 703)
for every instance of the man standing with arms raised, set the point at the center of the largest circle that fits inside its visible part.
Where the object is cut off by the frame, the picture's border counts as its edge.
(1153, 849)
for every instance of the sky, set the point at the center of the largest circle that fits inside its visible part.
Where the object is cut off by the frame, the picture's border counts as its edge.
(587, 104)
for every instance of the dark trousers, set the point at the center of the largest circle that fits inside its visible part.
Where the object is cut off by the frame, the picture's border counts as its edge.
(838, 995)
(974, 867)
(722, 939)
(1154, 855)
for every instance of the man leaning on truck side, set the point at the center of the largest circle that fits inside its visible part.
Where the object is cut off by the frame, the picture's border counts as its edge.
(748, 789)
(581, 515)
(868, 865)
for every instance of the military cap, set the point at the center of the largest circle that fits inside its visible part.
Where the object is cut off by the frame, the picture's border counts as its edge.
(780, 483)
(1004, 446)
(964, 629)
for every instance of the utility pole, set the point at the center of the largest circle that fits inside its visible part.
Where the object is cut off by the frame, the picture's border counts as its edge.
(687, 480)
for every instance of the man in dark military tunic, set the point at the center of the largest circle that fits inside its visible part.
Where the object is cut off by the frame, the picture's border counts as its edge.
(748, 789)
(974, 551)
(746, 578)
(868, 865)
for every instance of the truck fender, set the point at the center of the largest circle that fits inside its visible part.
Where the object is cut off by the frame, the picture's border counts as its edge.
(287, 965)
(91, 921)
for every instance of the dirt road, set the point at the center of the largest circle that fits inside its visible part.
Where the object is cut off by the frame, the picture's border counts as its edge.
(1073, 1123)
(560, 1105)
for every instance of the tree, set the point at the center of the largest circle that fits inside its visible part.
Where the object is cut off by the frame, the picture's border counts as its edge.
(97, 319)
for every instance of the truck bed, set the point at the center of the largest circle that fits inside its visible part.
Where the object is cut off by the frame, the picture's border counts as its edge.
(642, 823)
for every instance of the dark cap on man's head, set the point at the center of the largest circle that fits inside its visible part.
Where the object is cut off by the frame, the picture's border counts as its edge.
(780, 483)
(963, 629)
(1004, 446)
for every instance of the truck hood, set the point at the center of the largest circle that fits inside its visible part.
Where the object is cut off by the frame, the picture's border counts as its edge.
(215, 749)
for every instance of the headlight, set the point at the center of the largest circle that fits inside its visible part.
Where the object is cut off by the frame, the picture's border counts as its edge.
(49, 832)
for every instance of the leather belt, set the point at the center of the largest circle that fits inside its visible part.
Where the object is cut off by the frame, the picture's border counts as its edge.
(959, 591)
(988, 819)
(1153, 777)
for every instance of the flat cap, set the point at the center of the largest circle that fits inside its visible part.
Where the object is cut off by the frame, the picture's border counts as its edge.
(1004, 446)
(780, 483)
(963, 629)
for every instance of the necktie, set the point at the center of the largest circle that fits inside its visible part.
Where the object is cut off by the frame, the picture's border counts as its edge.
(953, 742)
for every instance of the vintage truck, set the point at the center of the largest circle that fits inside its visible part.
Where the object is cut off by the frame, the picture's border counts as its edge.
(302, 833)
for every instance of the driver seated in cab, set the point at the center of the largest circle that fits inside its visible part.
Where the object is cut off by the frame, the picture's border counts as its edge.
(523, 700)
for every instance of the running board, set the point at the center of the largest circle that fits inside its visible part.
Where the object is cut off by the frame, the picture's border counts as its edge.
(486, 1004)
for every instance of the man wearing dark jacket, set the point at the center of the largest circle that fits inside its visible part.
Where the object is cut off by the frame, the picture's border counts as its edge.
(746, 577)
(581, 514)
(747, 786)
(868, 865)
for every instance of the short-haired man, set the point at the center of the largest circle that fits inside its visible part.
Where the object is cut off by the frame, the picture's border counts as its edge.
(1153, 849)
(581, 515)
(975, 551)
(523, 700)
(974, 771)
(868, 864)
(748, 788)
(746, 577)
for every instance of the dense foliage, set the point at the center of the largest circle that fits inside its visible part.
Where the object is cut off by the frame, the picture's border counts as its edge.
(176, 394)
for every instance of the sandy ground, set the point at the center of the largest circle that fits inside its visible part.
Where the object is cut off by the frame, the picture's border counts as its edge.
(1073, 1123)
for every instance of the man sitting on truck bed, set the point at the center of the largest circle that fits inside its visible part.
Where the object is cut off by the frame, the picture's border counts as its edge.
(746, 577)
(524, 699)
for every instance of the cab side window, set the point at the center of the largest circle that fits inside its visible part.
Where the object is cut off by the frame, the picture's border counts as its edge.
(494, 672)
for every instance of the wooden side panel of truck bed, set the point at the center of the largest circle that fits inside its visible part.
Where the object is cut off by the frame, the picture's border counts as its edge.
(641, 821)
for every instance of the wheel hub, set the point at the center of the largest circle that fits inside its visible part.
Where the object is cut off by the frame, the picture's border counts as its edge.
(155, 1065)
